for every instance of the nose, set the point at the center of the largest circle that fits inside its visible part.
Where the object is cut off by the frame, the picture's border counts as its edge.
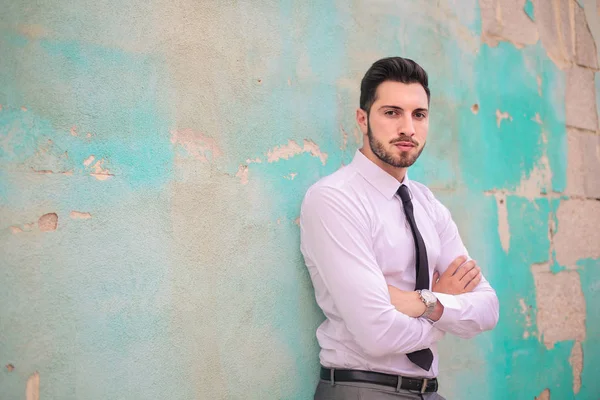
(407, 126)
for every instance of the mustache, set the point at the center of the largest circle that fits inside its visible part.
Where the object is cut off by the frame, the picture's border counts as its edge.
(405, 139)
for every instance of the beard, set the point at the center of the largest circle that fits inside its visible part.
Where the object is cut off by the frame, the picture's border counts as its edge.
(403, 160)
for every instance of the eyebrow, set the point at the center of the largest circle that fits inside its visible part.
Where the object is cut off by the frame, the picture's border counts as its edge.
(401, 109)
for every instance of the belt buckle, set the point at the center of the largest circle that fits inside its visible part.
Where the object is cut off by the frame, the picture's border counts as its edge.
(424, 386)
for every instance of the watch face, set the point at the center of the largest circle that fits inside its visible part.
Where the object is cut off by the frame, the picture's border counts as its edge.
(429, 297)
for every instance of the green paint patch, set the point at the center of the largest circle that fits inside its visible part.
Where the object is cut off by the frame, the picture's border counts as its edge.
(528, 8)
(82, 101)
(589, 271)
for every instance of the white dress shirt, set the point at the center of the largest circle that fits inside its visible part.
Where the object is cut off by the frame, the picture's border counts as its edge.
(356, 240)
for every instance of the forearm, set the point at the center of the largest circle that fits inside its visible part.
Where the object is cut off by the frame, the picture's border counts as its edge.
(466, 315)
(392, 332)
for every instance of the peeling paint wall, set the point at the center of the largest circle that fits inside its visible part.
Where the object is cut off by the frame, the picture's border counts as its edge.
(153, 157)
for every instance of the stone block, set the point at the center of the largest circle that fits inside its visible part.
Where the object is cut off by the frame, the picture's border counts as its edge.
(591, 165)
(583, 163)
(577, 232)
(507, 20)
(585, 46)
(575, 164)
(580, 99)
(554, 21)
(560, 306)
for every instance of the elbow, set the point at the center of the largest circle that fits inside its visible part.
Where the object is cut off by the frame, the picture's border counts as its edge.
(492, 321)
(487, 323)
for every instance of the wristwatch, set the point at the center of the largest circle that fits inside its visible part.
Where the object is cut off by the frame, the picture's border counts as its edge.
(430, 301)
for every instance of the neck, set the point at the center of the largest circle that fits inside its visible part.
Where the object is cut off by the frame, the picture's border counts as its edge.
(396, 172)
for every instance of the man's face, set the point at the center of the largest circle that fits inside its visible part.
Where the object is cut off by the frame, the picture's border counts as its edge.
(397, 124)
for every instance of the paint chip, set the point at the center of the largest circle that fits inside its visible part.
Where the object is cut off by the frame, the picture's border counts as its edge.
(10, 367)
(32, 390)
(526, 311)
(197, 145)
(538, 181)
(48, 222)
(255, 161)
(80, 215)
(503, 228)
(23, 108)
(89, 160)
(537, 118)
(291, 176)
(100, 173)
(576, 361)
(242, 173)
(500, 116)
(545, 395)
(16, 229)
(73, 130)
(344, 138)
(297, 221)
(539, 84)
(292, 149)
(475, 108)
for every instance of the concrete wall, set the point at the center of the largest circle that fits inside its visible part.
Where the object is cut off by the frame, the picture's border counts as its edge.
(154, 154)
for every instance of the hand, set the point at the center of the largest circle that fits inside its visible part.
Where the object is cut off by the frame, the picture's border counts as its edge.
(408, 303)
(460, 277)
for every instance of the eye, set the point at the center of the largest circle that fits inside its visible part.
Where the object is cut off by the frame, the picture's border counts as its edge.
(420, 115)
(390, 113)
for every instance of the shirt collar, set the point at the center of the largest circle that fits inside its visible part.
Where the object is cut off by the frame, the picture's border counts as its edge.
(381, 180)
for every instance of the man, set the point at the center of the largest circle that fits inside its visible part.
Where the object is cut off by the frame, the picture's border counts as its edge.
(375, 244)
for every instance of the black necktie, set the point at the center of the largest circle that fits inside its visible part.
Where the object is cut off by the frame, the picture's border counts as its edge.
(423, 358)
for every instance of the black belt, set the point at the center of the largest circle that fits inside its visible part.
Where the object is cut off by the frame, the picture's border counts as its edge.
(351, 375)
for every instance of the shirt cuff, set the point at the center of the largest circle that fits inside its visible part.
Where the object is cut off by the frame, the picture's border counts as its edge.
(452, 311)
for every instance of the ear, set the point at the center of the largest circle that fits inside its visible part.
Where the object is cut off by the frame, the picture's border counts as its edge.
(363, 120)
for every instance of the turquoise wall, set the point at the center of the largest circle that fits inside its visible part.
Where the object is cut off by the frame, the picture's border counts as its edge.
(172, 142)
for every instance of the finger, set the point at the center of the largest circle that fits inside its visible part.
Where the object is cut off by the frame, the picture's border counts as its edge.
(458, 261)
(470, 275)
(473, 283)
(465, 269)
(436, 277)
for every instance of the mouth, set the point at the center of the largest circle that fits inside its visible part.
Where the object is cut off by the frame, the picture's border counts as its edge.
(405, 146)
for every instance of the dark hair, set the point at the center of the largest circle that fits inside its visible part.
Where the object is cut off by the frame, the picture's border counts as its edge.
(396, 69)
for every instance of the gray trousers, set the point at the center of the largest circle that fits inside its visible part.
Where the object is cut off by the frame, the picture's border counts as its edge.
(366, 391)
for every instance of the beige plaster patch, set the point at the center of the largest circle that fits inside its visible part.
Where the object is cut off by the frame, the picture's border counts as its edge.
(48, 222)
(576, 361)
(501, 116)
(80, 215)
(560, 305)
(577, 234)
(32, 390)
(292, 149)
(503, 228)
(199, 146)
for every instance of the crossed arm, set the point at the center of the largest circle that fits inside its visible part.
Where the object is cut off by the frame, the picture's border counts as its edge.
(336, 243)
(461, 277)
(467, 304)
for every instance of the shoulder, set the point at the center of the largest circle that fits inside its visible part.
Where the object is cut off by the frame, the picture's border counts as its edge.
(437, 211)
(423, 194)
(338, 192)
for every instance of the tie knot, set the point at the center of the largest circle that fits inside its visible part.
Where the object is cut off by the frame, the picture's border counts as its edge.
(404, 194)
